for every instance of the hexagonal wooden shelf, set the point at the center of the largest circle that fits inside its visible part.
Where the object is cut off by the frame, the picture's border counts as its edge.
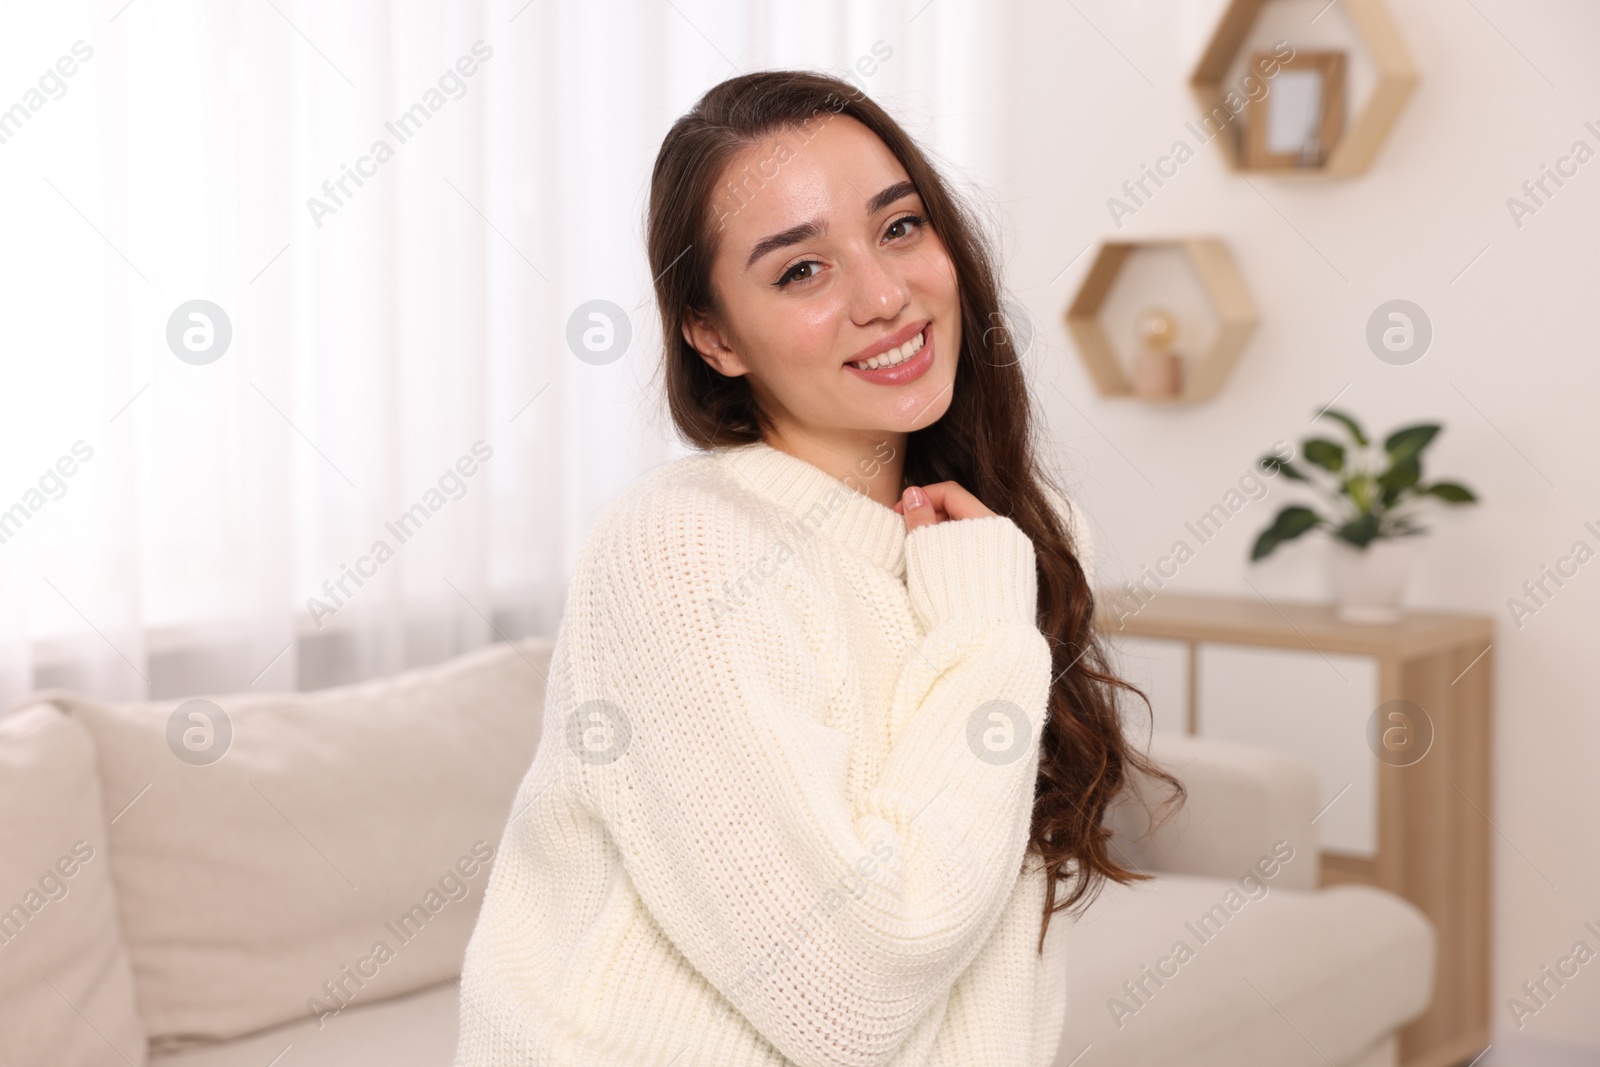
(1360, 141)
(1224, 287)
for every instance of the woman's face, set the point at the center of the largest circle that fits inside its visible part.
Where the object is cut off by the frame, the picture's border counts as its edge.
(825, 260)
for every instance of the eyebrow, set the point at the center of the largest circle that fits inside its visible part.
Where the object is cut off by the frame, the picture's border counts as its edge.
(806, 230)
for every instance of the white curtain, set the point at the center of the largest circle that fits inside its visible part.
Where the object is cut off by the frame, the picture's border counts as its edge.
(396, 208)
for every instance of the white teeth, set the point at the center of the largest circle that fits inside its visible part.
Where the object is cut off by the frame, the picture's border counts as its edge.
(894, 355)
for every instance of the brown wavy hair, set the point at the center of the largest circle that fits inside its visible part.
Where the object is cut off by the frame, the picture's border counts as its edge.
(984, 442)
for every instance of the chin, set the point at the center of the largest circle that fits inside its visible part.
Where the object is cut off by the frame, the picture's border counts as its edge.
(924, 408)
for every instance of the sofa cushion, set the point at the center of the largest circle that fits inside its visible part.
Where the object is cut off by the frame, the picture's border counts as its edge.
(1265, 977)
(66, 989)
(1241, 799)
(286, 855)
(418, 1029)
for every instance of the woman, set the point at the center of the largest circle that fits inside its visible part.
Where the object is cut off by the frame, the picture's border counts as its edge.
(827, 724)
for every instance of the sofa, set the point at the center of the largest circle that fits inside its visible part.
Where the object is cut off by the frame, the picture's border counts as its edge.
(256, 880)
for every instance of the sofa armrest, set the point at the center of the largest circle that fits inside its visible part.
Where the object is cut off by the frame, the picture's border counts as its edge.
(1242, 800)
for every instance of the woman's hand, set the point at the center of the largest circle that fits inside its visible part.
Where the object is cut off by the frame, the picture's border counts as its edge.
(926, 504)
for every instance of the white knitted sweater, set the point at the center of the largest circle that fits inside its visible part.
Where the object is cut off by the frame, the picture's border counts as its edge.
(781, 805)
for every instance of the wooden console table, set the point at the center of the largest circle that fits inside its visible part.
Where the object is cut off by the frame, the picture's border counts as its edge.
(1433, 832)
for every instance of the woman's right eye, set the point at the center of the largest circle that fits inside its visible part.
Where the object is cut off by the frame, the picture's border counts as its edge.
(789, 275)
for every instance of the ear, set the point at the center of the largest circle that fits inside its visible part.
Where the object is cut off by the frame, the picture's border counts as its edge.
(708, 339)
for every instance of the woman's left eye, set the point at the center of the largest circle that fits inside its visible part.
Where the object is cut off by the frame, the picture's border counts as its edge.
(913, 220)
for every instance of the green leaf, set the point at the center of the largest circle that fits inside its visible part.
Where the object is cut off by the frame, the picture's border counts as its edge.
(1329, 455)
(1409, 442)
(1349, 424)
(1451, 493)
(1398, 478)
(1402, 475)
(1359, 531)
(1290, 523)
(1362, 489)
(1289, 471)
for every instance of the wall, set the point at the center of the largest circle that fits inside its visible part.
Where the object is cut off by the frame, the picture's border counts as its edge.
(1099, 88)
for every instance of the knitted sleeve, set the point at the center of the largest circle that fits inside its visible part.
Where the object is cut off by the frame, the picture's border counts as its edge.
(832, 927)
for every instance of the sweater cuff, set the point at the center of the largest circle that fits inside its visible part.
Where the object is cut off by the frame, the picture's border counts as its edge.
(981, 568)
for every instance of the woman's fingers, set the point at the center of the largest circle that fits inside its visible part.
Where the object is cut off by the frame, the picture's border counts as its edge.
(938, 502)
(918, 509)
(954, 502)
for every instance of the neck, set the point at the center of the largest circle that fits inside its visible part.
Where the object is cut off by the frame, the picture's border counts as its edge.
(870, 462)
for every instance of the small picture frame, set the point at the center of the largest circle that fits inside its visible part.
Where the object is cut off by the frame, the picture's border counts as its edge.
(1297, 123)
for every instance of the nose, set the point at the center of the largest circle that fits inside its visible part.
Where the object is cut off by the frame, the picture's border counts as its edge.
(878, 288)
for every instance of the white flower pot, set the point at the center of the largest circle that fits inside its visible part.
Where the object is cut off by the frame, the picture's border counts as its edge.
(1369, 583)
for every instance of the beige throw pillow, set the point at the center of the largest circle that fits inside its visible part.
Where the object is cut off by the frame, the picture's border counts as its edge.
(286, 855)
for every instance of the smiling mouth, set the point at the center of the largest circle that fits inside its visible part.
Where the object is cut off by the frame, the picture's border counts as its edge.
(895, 356)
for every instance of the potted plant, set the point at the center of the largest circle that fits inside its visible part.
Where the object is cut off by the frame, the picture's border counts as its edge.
(1375, 495)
